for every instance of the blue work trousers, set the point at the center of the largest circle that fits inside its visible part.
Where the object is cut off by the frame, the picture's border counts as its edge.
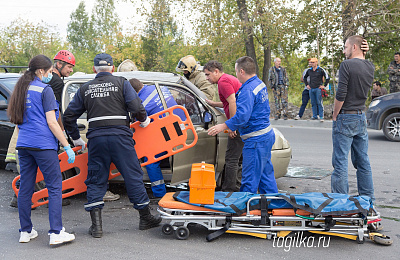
(157, 179)
(349, 134)
(258, 172)
(316, 103)
(120, 150)
(48, 163)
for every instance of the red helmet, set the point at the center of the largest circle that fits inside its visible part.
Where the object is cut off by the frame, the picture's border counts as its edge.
(65, 56)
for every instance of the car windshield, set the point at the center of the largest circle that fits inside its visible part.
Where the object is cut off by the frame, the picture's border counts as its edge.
(9, 83)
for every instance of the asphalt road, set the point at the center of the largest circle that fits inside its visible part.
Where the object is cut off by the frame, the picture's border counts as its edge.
(312, 147)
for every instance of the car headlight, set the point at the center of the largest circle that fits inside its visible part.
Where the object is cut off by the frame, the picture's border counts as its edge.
(374, 103)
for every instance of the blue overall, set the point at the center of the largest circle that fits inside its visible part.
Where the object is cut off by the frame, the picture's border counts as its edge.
(152, 103)
(252, 121)
(37, 147)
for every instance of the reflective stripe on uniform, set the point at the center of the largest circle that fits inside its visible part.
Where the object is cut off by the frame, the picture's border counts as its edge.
(257, 133)
(258, 88)
(10, 156)
(141, 204)
(149, 98)
(106, 118)
(155, 183)
(94, 204)
(36, 88)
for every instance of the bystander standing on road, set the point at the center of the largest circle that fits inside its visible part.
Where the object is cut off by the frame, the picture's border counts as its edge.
(228, 86)
(349, 130)
(252, 121)
(394, 73)
(317, 75)
(305, 95)
(34, 109)
(377, 90)
(279, 81)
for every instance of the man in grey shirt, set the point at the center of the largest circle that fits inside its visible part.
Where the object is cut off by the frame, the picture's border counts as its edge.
(349, 130)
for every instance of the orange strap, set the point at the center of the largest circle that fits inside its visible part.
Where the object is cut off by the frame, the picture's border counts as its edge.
(167, 134)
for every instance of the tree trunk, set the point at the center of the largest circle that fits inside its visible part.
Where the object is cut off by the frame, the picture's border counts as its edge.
(347, 19)
(267, 63)
(247, 30)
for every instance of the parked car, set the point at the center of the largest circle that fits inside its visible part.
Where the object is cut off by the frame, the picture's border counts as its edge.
(7, 83)
(211, 149)
(384, 113)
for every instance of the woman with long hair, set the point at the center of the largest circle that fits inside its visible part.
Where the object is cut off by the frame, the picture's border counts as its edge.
(33, 108)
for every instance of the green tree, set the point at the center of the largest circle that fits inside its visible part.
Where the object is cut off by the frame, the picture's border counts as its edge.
(162, 41)
(105, 22)
(80, 31)
(22, 40)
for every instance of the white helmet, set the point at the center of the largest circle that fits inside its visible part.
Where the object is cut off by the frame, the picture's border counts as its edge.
(187, 63)
(127, 65)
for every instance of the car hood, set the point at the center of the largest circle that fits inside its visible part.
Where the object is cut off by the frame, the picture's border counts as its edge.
(280, 141)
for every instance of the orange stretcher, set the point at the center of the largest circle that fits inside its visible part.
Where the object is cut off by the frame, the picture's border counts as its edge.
(166, 134)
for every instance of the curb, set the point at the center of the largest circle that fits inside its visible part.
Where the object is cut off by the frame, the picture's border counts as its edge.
(301, 123)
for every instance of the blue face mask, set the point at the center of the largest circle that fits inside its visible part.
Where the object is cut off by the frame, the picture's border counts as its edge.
(48, 78)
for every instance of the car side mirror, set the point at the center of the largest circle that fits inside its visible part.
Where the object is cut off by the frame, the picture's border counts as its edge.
(207, 118)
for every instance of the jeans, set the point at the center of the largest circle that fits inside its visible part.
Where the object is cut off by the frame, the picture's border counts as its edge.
(349, 133)
(316, 102)
(305, 97)
(232, 156)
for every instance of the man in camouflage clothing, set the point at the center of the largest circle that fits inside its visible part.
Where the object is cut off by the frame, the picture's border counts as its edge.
(279, 82)
(394, 73)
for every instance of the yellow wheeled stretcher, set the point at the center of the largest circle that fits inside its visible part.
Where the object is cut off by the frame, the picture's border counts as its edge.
(265, 216)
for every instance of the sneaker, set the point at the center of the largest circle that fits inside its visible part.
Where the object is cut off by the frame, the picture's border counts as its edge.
(109, 196)
(313, 118)
(285, 118)
(25, 236)
(61, 238)
(297, 117)
(321, 120)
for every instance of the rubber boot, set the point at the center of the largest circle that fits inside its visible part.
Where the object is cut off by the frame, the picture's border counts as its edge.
(147, 220)
(96, 229)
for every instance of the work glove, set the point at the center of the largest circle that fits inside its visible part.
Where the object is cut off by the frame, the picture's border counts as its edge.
(79, 142)
(70, 153)
(145, 122)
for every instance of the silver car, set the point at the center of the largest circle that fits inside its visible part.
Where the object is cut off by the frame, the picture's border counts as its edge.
(211, 149)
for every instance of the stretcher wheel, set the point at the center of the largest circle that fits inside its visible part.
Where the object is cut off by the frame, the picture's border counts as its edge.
(360, 241)
(377, 226)
(382, 240)
(182, 233)
(167, 229)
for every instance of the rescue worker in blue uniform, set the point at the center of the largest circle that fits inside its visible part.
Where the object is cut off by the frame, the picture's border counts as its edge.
(152, 103)
(34, 109)
(252, 121)
(107, 100)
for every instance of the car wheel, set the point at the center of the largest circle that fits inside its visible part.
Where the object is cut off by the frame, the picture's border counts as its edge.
(391, 127)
